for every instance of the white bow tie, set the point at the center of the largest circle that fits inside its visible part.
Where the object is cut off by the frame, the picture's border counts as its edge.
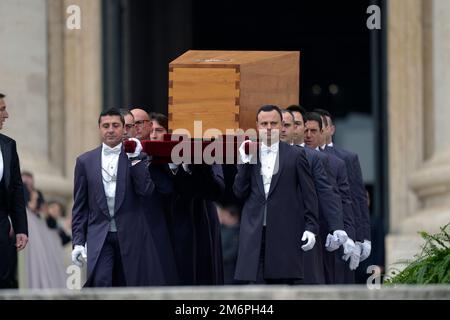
(266, 149)
(108, 150)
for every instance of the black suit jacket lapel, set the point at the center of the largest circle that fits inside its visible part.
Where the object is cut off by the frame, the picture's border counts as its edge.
(121, 180)
(257, 175)
(100, 196)
(280, 160)
(6, 154)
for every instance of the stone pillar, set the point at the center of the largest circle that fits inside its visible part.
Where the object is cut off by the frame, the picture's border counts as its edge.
(405, 100)
(82, 82)
(52, 78)
(431, 182)
(23, 78)
(419, 129)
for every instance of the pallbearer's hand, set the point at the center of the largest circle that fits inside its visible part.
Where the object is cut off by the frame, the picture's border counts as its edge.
(21, 241)
(310, 239)
(138, 149)
(78, 254)
(332, 243)
(366, 248)
(335, 240)
(246, 157)
(352, 252)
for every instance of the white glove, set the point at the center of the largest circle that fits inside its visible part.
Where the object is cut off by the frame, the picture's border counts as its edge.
(186, 168)
(138, 149)
(353, 252)
(355, 258)
(311, 240)
(335, 240)
(245, 158)
(79, 253)
(173, 167)
(349, 247)
(366, 248)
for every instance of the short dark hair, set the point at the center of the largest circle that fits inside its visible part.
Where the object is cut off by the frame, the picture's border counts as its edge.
(125, 112)
(297, 108)
(111, 112)
(287, 111)
(324, 113)
(2, 95)
(161, 119)
(269, 108)
(314, 116)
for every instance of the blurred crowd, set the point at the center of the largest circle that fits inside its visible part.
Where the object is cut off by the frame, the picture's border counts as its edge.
(46, 256)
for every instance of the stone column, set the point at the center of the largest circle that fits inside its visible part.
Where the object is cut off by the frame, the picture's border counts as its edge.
(419, 113)
(23, 78)
(431, 182)
(405, 114)
(82, 82)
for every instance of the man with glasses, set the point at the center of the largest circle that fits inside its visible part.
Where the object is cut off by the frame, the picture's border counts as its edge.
(142, 124)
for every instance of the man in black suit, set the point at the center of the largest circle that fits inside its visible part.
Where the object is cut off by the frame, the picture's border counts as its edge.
(337, 270)
(12, 202)
(329, 203)
(357, 188)
(280, 207)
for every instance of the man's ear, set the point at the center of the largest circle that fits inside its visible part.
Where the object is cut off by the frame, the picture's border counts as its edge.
(333, 129)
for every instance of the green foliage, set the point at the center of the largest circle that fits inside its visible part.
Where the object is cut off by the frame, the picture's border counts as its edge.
(432, 265)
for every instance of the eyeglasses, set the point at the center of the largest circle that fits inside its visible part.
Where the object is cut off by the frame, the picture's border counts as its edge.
(140, 122)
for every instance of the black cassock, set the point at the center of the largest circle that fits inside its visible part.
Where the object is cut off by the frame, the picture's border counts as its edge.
(194, 226)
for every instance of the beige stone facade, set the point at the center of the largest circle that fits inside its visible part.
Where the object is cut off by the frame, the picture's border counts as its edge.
(419, 114)
(52, 76)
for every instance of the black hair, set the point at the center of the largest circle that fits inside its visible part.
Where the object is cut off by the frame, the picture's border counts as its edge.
(269, 108)
(297, 108)
(2, 95)
(111, 112)
(324, 113)
(314, 116)
(288, 111)
(161, 119)
(125, 112)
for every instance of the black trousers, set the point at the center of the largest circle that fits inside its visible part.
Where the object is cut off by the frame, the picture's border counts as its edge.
(260, 274)
(109, 271)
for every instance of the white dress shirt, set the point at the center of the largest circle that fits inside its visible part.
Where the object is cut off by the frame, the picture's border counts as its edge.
(1, 165)
(110, 162)
(268, 156)
(330, 144)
